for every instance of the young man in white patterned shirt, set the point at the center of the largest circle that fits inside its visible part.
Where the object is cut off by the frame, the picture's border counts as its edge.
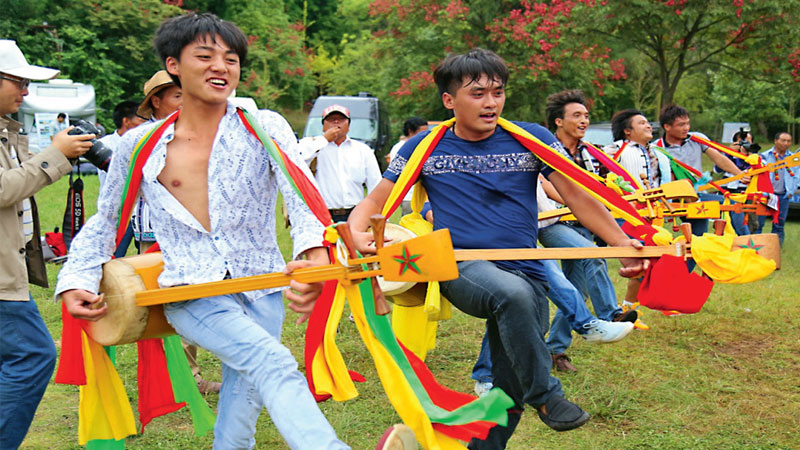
(212, 187)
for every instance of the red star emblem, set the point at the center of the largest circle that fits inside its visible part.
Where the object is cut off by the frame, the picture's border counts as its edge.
(407, 261)
(701, 208)
(751, 244)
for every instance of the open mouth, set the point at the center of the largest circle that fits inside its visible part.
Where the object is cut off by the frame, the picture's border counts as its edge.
(488, 116)
(218, 82)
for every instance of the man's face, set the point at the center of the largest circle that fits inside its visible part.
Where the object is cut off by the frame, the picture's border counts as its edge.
(477, 106)
(782, 142)
(574, 122)
(640, 131)
(336, 120)
(167, 101)
(129, 123)
(11, 94)
(209, 71)
(679, 129)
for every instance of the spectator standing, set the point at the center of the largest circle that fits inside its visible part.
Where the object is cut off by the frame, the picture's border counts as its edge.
(784, 182)
(341, 166)
(27, 352)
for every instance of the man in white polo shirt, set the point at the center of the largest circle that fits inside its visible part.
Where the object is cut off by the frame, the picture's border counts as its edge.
(341, 166)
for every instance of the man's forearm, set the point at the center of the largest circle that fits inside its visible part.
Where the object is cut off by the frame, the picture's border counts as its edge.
(723, 161)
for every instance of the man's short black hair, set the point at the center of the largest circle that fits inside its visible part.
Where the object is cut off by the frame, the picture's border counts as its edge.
(454, 69)
(740, 136)
(622, 121)
(558, 101)
(176, 33)
(124, 110)
(779, 133)
(62, 115)
(413, 124)
(671, 112)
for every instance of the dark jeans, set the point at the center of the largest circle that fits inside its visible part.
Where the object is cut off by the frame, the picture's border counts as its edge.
(28, 356)
(517, 314)
(783, 213)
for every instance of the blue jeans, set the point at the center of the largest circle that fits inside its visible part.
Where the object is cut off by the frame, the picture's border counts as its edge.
(572, 315)
(257, 370)
(517, 314)
(783, 213)
(27, 360)
(588, 276)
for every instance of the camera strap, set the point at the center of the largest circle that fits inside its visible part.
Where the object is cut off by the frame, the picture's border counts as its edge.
(74, 213)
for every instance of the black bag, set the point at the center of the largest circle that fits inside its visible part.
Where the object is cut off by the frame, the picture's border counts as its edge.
(74, 214)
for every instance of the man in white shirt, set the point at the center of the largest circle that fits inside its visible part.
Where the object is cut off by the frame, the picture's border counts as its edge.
(341, 166)
(125, 119)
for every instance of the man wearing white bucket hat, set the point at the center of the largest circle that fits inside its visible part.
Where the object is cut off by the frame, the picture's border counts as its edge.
(27, 352)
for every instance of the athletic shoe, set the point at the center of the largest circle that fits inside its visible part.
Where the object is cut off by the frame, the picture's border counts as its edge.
(483, 387)
(600, 331)
(561, 414)
(626, 316)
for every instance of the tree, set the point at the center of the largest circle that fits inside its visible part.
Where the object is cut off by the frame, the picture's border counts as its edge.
(680, 37)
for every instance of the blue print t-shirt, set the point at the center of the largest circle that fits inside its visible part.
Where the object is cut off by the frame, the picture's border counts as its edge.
(483, 191)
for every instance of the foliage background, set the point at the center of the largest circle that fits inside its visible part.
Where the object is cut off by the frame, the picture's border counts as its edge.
(726, 60)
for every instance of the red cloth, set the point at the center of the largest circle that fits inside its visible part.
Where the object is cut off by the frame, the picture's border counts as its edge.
(70, 360)
(56, 242)
(668, 286)
(155, 388)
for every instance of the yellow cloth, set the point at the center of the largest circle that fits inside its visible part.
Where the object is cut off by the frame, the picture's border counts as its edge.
(713, 254)
(416, 326)
(328, 366)
(104, 411)
(403, 398)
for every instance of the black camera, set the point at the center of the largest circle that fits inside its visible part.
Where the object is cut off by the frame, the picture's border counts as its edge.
(99, 155)
(750, 147)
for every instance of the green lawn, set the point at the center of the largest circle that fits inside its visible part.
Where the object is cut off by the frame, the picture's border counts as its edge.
(727, 377)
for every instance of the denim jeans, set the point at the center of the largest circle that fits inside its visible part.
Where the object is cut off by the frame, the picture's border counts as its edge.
(517, 314)
(27, 360)
(588, 276)
(783, 213)
(257, 370)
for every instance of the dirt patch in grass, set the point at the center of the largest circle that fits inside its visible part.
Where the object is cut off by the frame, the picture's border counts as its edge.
(744, 347)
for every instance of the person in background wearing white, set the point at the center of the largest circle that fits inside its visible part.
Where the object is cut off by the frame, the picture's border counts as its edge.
(341, 166)
(125, 119)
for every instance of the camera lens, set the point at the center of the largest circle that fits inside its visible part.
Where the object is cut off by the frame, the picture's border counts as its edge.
(99, 155)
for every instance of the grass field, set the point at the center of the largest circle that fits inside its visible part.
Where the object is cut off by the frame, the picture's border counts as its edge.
(727, 377)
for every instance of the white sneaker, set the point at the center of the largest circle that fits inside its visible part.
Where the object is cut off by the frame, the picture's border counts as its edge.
(600, 331)
(483, 387)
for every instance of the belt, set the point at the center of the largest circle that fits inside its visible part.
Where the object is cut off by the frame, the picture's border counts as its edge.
(340, 211)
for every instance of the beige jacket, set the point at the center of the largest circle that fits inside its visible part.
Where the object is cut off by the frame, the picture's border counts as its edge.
(18, 262)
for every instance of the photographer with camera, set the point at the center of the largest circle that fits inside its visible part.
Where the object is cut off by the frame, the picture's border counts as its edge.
(27, 352)
(742, 142)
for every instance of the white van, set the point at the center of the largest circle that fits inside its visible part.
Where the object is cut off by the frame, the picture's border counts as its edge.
(76, 100)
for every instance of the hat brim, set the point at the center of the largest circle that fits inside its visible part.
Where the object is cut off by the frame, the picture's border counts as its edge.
(33, 72)
(145, 110)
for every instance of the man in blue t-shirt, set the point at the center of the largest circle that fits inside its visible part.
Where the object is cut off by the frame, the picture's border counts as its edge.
(481, 183)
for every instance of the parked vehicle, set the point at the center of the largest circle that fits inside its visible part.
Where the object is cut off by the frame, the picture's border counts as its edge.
(369, 121)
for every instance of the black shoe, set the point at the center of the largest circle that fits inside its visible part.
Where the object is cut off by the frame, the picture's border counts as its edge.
(628, 316)
(562, 415)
